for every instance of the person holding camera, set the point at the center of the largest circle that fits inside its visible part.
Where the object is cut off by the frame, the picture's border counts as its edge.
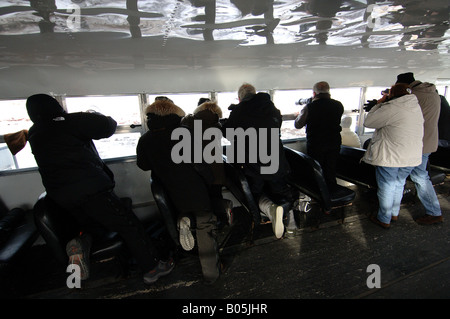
(322, 117)
(395, 148)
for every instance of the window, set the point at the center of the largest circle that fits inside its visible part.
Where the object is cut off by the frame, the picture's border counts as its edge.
(14, 118)
(443, 90)
(291, 102)
(225, 99)
(351, 100)
(187, 102)
(373, 93)
(125, 110)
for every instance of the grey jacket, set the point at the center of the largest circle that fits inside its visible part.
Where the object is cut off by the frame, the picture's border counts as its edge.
(430, 103)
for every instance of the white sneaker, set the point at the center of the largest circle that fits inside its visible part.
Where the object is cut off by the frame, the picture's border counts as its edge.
(229, 210)
(78, 251)
(186, 238)
(276, 213)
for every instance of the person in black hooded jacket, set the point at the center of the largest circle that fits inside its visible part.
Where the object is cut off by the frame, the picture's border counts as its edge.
(78, 181)
(270, 191)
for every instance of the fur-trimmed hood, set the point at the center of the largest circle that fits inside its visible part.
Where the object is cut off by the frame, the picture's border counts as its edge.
(209, 112)
(163, 108)
(211, 106)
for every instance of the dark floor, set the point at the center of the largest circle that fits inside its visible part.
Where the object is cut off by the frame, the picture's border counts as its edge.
(330, 262)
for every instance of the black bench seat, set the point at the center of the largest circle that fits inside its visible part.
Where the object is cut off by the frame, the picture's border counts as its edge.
(350, 168)
(440, 160)
(57, 228)
(306, 175)
(15, 243)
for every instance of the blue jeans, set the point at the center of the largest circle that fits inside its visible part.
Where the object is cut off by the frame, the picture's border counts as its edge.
(424, 187)
(390, 181)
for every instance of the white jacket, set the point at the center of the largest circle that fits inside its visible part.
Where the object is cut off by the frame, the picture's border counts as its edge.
(397, 140)
(350, 138)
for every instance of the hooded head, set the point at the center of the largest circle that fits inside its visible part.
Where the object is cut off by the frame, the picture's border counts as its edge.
(210, 106)
(203, 100)
(406, 78)
(164, 107)
(346, 122)
(43, 107)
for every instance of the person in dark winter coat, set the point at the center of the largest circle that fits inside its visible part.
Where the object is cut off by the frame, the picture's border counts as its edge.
(322, 118)
(270, 191)
(77, 180)
(209, 114)
(444, 123)
(185, 186)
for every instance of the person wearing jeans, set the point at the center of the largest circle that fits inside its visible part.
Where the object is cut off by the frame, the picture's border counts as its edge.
(430, 104)
(390, 181)
(395, 148)
(425, 192)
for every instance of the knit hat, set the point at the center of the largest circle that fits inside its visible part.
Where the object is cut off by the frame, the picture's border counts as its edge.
(407, 78)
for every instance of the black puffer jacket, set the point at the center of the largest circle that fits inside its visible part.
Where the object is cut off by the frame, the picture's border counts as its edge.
(258, 111)
(70, 167)
(185, 186)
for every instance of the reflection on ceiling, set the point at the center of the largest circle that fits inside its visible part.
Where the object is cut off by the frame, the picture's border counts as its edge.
(225, 34)
(409, 25)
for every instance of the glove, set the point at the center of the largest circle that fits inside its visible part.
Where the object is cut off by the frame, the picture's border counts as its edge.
(370, 104)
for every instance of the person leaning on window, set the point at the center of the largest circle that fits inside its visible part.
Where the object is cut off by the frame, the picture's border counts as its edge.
(77, 179)
(395, 148)
(184, 182)
(270, 191)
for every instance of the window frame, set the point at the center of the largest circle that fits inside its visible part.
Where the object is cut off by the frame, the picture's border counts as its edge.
(143, 100)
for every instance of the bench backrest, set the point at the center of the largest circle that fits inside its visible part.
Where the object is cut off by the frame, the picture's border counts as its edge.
(166, 208)
(306, 175)
(237, 184)
(441, 159)
(350, 168)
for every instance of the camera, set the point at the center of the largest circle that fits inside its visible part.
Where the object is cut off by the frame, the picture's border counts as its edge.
(385, 92)
(303, 101)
